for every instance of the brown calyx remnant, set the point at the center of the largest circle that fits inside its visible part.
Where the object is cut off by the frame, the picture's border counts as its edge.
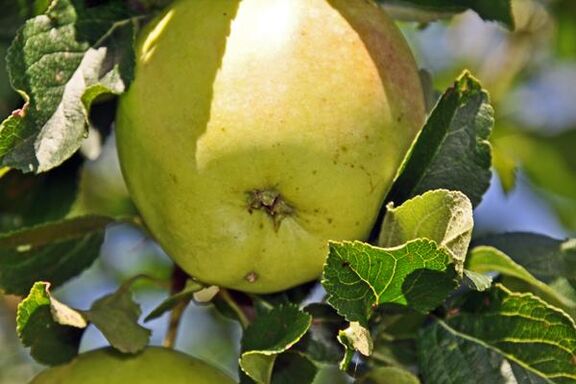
(271, 202)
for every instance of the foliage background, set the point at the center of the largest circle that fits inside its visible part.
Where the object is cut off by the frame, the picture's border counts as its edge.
(531, 75)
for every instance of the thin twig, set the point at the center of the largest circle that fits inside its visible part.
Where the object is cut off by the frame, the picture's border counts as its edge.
(179, 278)
(235, 307)
(174, 325)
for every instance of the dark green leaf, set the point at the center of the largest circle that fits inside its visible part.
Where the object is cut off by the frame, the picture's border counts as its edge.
(53, 252)
(293, 367)
(116, 316)
(358, 277)
(268, 336)
(51, 329)
(15, 12)
(320, 343)
(452, 150)
(61, 62)
(27, 200)
(515, 337)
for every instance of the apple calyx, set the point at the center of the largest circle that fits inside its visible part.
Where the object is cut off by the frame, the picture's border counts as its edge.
(271, 202)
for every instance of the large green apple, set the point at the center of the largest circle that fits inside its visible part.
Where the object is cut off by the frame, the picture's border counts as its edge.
(153, 366)
(257, 130)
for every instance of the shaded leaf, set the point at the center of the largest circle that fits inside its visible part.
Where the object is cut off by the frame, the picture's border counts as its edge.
(53, 252)
(268, 336)
(358, 277)
(27, 200)
(51, 329)
(15, 12)
(452, 150)
(516, 336)
(293, 367)
(116, 316)
(320, 343)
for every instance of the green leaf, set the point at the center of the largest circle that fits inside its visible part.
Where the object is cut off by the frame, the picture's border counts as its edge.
(185, 295)
(543, 256)
(389, 375)
(515, 337)
(452, 150)
(27, 200)
(116, 316)
(489, 259)
(51, 329)
(61, 62)
(53, 252)
(358, 277)
(440, 215)
(490, 10)
(268, 336)
(293, 367)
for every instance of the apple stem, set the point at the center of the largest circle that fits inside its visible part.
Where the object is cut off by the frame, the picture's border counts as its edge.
(242, 318)
(175, 317)
(179, 278)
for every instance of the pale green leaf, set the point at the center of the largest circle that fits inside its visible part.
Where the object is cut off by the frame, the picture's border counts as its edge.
(439, 215)
(116, 316)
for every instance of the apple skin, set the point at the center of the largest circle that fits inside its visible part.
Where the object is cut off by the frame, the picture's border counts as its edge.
(152, 366)
(257, 130)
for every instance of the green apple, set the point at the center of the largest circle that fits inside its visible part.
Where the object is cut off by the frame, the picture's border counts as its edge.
(152, 366)
(257, 130)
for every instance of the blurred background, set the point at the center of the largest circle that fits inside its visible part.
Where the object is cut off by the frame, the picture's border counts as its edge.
(531, 76)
